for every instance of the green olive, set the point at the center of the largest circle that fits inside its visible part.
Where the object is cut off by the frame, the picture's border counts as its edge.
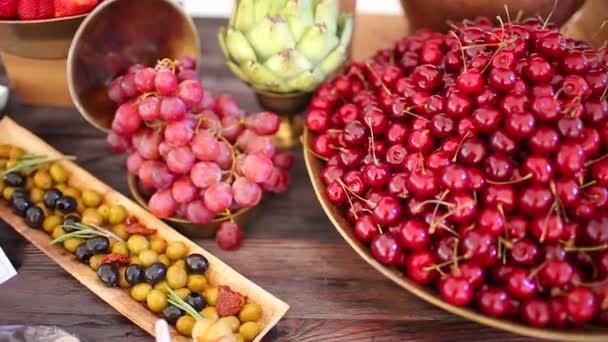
(92, 217)
(210, 294)
(36, 195)
(158, 245)
(2, 184)
(176, 250)
(156, 300)
(232, 322)
(196, 282)
(176, 277)
(182, 293)
(184, 325)
(104, 211)
(95, 261)
(58, 232)
(50, 222)
(249, 330)
(120, 248)
(29, 184)
(122, 281)
(210, 312)
(163, 258)
(238, 338)
(140, 291)
(80, 207)
(119, 230)
(7, 192)
(5, 150)
(43, 180)
(133, 259)
(180, 263)
(58, 173)
(147, 257)
(69, 191)
(137, 243)
(118, 214)
(71, 244)
(162, 286)
(91, 198)
(250, 312)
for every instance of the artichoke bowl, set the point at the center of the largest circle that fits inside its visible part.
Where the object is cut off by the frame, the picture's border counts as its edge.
(285, 46)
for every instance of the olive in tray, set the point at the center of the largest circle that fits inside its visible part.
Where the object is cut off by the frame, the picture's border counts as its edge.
(164, 276)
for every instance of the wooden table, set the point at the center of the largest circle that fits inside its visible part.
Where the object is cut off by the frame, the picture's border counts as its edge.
(291, 250)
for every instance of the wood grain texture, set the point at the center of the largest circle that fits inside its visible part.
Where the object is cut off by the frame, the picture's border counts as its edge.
(291, 250)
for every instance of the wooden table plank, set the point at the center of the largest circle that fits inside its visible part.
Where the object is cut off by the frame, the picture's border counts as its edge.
(291, 250)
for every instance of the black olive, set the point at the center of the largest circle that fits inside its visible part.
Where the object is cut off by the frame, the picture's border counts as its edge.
(51, 197)
(69, 221)
(98, 244)
(14, 179)
(108, 274)
(19, 192)
(196, 263)
(83, 254)
(134, 274)
(66, 204)
(196, 300)
(171, 314)
(21, 205)
(34, 217)
(155, 273)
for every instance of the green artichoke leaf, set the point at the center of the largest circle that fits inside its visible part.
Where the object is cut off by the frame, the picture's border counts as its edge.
(334, 60)
(299, 16)
(288, 63)
(307, 81)
(236, 70)
(221, 38)
(238, 46)
(260, 77)
(345, 28)
(276, 6)
(244, 17)
(262, 7)
(270, 36)
(326, 13)
(317, 43)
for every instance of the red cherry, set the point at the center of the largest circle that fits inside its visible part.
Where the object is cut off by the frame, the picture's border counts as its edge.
(501, 273)
(514, 103)
(520, 125)
(487, 119)
(375, 119)
(539, 167)
(501, 142)
(599, 172)
(426, 77)
(387, 212)
(336, 193)
(465, 207)
(558, 312)
(486, 97)
(438, 160)
(395, 156)
(376, 175)
(458, 104)
(354, 182)
(536, 312)
(539, 70)
(472, 272)
(581, 304)
(331, 173)
(365, 228)
(386, 249)
(535, 199)
(497, 194)
(423, 183)
(519, 285)
(470, 81)
(317, 121)
(442, 125)
(524, 252)
(414, 235)
(456, 290)
(546, 228)
(421, 141)
(418, 267)
(476, 179)
(454, 177)
(575, 86)
(397, 185)
(396, 133)
(570, 158)
(546, 108)
(556, 272)
(493, 302)
(498, 167)
(590, 141)
(517, 227)
(552, 45)
(480, 247)
(472, 152)
(502, 79)
(544, 140)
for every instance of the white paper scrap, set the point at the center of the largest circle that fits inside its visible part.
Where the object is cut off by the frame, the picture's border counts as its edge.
(7, 271)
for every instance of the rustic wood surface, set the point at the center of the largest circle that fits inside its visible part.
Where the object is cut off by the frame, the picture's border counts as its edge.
(291, 250)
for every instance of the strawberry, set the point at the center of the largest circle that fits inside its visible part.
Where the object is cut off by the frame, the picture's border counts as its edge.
(66, 8)
(8, 9)
(35, 9)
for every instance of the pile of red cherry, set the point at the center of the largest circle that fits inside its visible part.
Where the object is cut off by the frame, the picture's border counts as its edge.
(196, 156)
(475, 161)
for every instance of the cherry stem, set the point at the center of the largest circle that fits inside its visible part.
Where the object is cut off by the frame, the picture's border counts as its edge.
(586, 248)
(522, 179)
(464, 58)
(229, 215)
(406, 111)
(508, 17)
(561, 210)
(588, 184)
(350, 201)
(165, 63)
(449, 230)
(441, 197)
(311, 151)
(384, 87)
(520, 14)
(434, 201)
(466, 136)
(455, 250)
(593, 161)
(591, 284)
(544, 224)
(345, 187)
(445, 263)
(448, 214)
(371, 141)
(535, 271)
(550, 14)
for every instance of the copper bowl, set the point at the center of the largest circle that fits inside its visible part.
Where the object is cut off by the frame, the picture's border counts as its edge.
(117, 34)
(39, 39)
(186, 227)
(436, 13)
(314, 166)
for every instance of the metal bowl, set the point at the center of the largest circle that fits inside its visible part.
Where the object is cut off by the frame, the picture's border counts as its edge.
(336, 216)
(117, 34)
(39, 39)
(188, 228)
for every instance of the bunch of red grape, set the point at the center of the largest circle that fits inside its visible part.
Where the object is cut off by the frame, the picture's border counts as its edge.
(196, 156)
(476, 161)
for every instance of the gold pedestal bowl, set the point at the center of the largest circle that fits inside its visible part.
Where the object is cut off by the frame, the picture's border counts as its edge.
(314, 166)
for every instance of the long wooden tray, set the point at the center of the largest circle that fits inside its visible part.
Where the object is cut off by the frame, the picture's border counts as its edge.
(218, 274)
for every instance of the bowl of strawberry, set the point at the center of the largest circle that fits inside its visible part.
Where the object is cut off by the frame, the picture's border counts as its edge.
(470, 168)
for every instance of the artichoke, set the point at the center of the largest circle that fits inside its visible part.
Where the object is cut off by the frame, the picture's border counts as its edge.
(285, 46)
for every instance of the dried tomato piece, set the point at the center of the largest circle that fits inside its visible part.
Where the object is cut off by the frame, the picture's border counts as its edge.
(228, 302)
(114, 258)
(139, 229)
(131, 220)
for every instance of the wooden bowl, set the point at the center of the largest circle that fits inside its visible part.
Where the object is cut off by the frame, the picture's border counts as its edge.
(314, 166)
(39, 39)
(435, 13)
(117, 34)
(186, 227)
